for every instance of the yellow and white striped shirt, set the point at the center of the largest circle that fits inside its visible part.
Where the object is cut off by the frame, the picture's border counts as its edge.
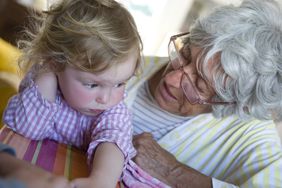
(232, 152)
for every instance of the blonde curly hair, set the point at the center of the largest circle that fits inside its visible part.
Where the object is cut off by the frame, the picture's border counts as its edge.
(91, 35)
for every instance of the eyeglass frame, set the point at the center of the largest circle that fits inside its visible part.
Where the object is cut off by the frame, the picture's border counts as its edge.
(181, 68)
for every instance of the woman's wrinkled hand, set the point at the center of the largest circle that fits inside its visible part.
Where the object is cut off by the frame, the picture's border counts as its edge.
(152, 158)
(162, 165)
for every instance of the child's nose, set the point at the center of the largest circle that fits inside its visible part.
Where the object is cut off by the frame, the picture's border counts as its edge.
(104, 96)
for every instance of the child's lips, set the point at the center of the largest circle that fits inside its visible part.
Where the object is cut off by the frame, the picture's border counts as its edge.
(95, 111)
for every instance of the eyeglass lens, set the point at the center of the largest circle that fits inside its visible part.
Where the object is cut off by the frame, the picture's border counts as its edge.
(177, 62)
(179, 59)
(189, 90)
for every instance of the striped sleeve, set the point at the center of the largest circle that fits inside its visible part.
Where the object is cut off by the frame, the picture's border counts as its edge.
(113, 126)
(266, 171)
(29, 114)
(232, 152)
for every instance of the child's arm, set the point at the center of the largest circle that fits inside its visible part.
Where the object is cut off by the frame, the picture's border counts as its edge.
(31, 112)
(110, 149)
(107, 165)
(107, 168)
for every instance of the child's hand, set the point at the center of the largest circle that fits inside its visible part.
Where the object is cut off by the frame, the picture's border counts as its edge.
(47, 85)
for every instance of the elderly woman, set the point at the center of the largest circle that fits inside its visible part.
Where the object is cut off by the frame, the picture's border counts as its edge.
(212, 106)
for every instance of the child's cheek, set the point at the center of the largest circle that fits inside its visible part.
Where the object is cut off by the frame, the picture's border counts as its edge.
(83, 98)
(117, 97)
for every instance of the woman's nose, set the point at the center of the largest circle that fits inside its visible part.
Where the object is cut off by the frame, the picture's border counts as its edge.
(104, 96)
(173, 78)
(191, 71)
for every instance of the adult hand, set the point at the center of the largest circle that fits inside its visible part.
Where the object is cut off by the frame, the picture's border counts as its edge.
(32, 176)
(90, 182)
(162, 165)
(83, 183)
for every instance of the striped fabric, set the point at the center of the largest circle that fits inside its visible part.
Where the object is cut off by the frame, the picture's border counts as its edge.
(245, 154)
(57, 158)
(149, 117)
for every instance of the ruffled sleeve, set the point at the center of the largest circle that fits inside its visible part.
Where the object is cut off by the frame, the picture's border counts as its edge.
(113, 126)
(28, 113)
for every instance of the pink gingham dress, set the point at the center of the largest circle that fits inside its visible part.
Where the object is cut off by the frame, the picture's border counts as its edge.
(32, 116)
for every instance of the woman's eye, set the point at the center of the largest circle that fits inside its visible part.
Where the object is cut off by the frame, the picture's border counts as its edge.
(90, 86)
(201, 86)
(186, 54)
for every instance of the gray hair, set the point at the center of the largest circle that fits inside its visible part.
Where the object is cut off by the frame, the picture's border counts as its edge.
(248, 41)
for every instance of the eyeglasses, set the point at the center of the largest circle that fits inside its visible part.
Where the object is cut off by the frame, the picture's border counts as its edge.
(176, 51)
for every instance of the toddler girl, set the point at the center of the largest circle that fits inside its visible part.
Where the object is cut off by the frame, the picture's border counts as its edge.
(77, 65)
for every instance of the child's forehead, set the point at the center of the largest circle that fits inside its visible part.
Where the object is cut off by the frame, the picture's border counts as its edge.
(118, 72)
(99, 63)
(121, 70)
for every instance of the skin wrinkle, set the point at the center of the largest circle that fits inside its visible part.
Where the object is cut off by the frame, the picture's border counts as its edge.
(205, 76)
(188, 69)
(228, 65)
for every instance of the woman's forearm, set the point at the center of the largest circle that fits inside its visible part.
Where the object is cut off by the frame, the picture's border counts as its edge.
(162, 165)
(184, 176)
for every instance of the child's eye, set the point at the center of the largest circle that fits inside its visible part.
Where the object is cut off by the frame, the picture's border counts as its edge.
(120, 84)
(90, 86)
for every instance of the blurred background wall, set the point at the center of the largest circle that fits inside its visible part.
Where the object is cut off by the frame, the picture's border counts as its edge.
(157, 20)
